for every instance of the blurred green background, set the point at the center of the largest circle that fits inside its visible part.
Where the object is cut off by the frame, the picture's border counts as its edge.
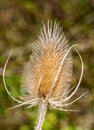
(20, 22)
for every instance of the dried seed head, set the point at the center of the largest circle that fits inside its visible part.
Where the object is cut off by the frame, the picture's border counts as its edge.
(47, 75)
(47, 54)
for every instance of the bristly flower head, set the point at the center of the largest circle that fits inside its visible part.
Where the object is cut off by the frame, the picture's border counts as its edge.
(47, 75)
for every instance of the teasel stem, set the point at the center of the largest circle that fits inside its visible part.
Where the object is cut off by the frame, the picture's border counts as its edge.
(41, 114)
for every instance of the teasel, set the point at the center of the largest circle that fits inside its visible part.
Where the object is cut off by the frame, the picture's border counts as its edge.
(47, 74)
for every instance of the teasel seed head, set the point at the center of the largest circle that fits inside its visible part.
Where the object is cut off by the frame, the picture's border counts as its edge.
(47, 75)
(41, 70)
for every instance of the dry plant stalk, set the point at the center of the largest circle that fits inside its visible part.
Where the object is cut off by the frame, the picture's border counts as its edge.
(47, 75)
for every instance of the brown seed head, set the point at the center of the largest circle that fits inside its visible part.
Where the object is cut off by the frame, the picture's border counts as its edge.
(47, 75)
(42, 68)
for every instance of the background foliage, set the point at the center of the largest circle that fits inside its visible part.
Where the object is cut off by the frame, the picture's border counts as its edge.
(20, 22)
